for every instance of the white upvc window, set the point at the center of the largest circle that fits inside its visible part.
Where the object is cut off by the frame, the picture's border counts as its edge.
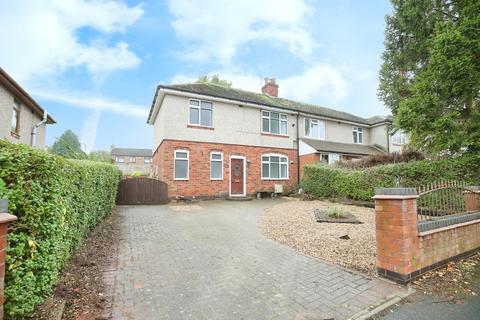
(274, 167)
(399, 138)
(119, 159)
(274, 123)
(15, 125)
(181, 165)
(357, 135)
(200, 113)
(216, 166)
(132, 159)
(314, 128)
(147, 160)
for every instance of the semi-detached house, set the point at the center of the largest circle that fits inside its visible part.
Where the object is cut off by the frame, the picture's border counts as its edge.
(214, 141)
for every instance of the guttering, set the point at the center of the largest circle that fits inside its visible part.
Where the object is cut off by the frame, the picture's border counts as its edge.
(35, 127)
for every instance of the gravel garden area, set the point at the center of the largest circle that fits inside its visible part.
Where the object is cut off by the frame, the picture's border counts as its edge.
(293, 223)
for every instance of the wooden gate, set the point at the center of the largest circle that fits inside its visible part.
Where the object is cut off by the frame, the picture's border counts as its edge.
(142, 191)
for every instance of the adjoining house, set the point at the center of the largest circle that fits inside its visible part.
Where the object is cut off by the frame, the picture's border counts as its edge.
(212, 141)
(22, 119)
(132, 161)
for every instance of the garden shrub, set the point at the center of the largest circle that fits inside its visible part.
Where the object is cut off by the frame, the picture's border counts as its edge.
(57, 202)
(334, 182)
(383, 158)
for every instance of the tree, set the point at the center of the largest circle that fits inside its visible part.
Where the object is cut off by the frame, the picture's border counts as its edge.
(100, 156)
(68, 146)
(215, 79)
(430, 76)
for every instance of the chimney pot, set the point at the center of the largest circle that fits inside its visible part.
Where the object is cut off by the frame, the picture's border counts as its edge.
(270, 87)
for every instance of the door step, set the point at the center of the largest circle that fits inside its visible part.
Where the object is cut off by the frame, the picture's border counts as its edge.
(239, 198)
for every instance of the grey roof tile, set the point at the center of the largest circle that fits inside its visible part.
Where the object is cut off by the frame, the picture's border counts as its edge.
(344, 148)
(131, 152)
(263, 99)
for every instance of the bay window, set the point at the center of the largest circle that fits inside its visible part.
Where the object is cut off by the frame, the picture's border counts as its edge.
(274, 122)
(274, 167)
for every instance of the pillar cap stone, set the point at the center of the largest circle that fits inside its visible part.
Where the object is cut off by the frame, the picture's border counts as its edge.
(6, 218)
(395, 193)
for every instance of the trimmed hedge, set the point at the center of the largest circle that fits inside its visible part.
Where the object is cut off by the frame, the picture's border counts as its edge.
(57, 202)
(333, 182)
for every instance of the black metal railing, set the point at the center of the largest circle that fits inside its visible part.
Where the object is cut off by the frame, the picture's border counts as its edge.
(442, 199)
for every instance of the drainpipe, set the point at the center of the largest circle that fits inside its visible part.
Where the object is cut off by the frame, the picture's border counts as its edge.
(298, 152)
(35, 127)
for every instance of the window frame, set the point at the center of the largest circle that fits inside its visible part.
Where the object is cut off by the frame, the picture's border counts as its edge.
(147, 161)
(16, 109)
(130, 159)
(402, 136)
(269, 155)
(174, 164)
(119, 159)
(280, 120)
(216, 160)
(199, 107)
(359, 133)
(318, 121)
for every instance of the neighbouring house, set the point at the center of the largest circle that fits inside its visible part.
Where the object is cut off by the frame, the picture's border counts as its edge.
(130, 160)
(213, 141)
(22, 119)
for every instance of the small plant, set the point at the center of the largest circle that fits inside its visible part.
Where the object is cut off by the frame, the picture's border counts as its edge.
(137, 174)
(336, 213)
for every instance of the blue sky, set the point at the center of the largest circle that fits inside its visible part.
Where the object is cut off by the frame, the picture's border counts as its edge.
(94, 65)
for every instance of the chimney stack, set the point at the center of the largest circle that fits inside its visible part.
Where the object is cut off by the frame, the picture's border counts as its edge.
(270, 87)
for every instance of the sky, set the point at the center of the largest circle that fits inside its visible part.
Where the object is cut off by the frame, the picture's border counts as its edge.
(94, 65)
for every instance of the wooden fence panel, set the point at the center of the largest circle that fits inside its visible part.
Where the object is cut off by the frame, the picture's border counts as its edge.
(142, 191)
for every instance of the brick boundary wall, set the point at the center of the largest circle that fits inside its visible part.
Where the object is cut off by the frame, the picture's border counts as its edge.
(5, 219)
(311, 158)
(199, 183)
(404, 253)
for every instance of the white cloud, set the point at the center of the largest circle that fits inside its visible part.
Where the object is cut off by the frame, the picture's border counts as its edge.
(41, 38)
(89, 131)
(320, 83)
(217, 28)
(84, 100)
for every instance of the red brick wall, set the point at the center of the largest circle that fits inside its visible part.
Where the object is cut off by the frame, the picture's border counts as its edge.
(199, 183)
(403, 250)
(308, 159)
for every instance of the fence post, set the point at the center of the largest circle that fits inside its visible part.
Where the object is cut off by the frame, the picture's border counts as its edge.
(5, 219)
(472, 198)
(396, 232)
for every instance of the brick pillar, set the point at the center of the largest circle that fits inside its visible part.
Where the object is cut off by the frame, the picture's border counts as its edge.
(5, 219)
(472, 198)
(396, 232)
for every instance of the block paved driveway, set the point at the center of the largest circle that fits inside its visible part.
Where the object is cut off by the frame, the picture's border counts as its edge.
(209, 261)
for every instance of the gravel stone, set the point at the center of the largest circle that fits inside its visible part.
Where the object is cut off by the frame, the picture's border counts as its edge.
(293, 223)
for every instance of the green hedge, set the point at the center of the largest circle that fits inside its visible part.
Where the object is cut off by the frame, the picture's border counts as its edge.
(57, 201)
(331, 182)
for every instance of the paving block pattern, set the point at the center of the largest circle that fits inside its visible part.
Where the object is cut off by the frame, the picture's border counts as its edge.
(209, 261)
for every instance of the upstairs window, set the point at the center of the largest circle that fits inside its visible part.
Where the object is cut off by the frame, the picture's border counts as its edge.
(200, 113)
(132, 159)
(274, 122)
(274, 167)
(180, 165)
(314, 128)
(119, 159)
(216, 166)
(16, 117)
(357, 135)
(147, 160)
(399, 138)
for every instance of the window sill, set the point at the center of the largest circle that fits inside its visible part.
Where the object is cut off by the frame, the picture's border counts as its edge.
(275, 135)
(199, 127)
(314, 138)
(275, 179)
(14, 134)
(176, 179)
(216, 179)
